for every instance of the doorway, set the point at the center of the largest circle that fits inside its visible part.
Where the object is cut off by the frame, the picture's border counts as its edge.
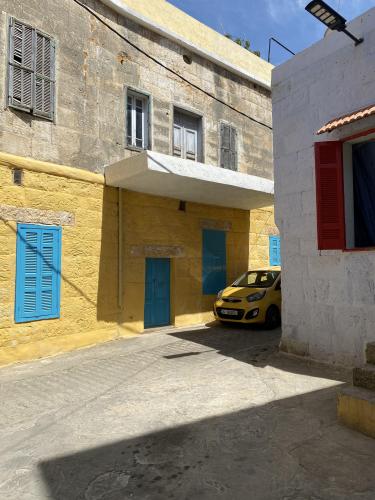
(157, 293)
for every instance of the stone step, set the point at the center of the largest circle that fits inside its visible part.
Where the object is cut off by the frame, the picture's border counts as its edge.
(364, 376)
(356, 409)
(370, 353)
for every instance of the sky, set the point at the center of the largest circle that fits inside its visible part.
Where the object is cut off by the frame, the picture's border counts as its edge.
(258, 20)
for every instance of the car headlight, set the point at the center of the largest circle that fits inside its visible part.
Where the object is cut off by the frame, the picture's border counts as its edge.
(219, 295)
(254, 297)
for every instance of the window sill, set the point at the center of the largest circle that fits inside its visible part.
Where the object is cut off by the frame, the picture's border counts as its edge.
(39, 318)
(359, 249)
(31, 114)
(135, 148)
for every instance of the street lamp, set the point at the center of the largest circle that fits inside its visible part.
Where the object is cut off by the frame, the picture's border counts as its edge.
(330, 18)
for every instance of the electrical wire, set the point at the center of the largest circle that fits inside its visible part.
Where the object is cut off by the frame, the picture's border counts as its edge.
(155, 60)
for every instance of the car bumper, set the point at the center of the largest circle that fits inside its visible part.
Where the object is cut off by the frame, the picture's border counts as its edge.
(253, 314)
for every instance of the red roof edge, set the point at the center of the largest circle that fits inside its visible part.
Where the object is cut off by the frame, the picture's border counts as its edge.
(346, 119)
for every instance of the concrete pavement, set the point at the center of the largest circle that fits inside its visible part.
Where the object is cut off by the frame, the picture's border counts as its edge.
(210, 413)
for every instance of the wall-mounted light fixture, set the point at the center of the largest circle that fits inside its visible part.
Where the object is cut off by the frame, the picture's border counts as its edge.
(17, 176)
(330, 18)
(182, 206)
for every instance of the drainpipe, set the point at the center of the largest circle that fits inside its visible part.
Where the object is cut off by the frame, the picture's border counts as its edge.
(119, 291)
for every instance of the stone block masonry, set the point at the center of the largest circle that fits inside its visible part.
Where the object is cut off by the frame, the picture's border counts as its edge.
(88, 211)
(89, 311)
(94, 69)
(328, 295)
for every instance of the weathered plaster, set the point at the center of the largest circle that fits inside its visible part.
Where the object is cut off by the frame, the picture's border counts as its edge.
(222, 225)
(36, 216)
(152, 226)
(93, 69)
(173, 23)
(156, 251)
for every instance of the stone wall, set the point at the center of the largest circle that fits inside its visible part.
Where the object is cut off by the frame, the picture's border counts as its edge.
(88, 211)
(328, 296)
(262, 226)
(93, 68)
(89, 305)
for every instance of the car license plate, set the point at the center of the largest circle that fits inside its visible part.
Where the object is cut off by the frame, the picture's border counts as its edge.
(229, 312)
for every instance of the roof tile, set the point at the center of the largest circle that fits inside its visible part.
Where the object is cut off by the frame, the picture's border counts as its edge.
(346, 119)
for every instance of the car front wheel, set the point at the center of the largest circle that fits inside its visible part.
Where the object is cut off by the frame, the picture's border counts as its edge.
(273, 318)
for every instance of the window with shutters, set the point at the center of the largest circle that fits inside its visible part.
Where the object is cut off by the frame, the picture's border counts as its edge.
(31, 70)
(137, 120)
(228, 146)
(38, 268)
(214, 266)
(359, 192)
(187, 135)
(345, 193)
(274, 251)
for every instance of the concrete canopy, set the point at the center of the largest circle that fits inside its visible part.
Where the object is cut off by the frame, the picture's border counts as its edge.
(164, 175)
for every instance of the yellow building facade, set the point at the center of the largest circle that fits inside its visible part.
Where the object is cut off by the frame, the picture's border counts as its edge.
(137, 183)
(102, 277)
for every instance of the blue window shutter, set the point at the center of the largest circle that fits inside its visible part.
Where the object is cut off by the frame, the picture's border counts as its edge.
(37, 273)
(214, 267)
(275, 257)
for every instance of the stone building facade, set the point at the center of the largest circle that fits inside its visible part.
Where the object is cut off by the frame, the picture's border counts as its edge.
(323, 105)
(118, 83)
(94, 67)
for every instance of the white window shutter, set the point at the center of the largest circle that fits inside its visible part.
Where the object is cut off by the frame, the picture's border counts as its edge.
(177, 140)
(44, 77)
(191, 144)
(21, 75)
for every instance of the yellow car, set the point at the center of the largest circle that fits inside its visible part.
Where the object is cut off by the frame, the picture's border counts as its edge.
(255, 297)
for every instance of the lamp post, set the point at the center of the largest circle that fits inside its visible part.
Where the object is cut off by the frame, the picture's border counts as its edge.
(330, 18)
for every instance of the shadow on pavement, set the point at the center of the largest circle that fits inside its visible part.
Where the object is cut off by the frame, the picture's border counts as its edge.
(247, 343)
(291, 448)
(258, 346)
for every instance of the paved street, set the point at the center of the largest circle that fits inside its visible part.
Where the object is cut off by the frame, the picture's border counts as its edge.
(211, 413)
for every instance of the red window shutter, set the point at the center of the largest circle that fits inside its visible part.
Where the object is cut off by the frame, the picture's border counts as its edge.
(330, 195)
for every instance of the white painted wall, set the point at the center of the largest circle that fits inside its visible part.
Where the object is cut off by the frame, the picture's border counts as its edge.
(328, 296)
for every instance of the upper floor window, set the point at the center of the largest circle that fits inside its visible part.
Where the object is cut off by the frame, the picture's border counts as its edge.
(31, 75)
(228, 146)
(187, 135)
(137, 120)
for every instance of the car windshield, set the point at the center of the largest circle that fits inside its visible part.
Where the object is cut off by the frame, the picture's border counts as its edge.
(257, 279)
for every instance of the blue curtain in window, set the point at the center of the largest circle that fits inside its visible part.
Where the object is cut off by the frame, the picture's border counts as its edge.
(364, 193)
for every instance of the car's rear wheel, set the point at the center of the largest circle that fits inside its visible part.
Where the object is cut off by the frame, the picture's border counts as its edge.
(273, 318)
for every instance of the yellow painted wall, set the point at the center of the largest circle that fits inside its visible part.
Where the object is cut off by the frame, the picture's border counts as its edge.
(356, 409)
(90, 312)
(262, 226)
(152, 220)
(89, 261)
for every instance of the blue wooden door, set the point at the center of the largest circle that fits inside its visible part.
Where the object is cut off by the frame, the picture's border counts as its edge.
(214, 263)
(157, 293)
